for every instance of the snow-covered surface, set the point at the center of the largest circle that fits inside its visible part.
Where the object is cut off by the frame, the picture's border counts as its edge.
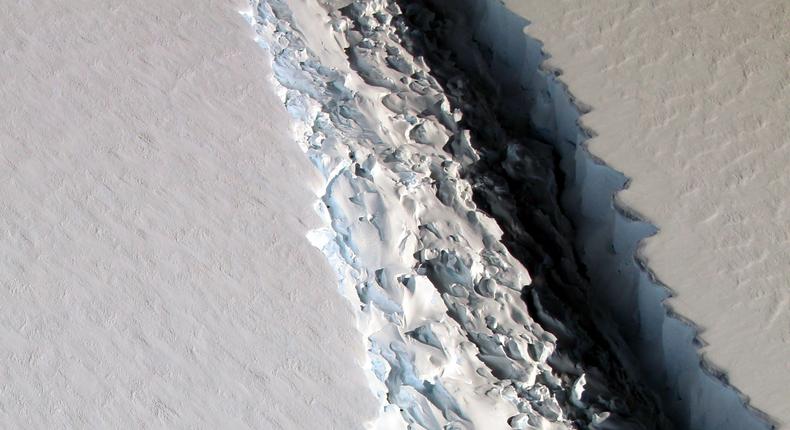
(154, 270)
(164, 196)
(691, 101)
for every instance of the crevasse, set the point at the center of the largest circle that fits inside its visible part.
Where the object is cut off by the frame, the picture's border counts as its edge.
(451, 343)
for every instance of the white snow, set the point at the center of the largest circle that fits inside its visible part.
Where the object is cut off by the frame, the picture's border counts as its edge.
(154, 270)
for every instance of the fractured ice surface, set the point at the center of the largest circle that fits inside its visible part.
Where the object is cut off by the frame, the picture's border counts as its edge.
(451, 343)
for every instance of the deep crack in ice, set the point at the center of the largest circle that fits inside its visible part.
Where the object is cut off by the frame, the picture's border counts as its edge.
(451, 343)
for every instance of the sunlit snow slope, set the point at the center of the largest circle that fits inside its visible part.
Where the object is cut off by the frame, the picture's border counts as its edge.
(154, 270)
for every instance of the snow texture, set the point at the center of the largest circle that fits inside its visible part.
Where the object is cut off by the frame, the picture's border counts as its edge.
(154, 270)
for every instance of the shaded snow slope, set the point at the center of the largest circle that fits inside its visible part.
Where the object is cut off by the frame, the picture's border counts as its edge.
(154, 268)
(690, 101)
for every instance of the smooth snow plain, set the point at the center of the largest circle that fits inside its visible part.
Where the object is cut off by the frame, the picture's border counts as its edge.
(154, 266)
(686, 103)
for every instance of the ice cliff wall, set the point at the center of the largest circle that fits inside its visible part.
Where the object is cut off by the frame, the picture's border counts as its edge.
(533, 100)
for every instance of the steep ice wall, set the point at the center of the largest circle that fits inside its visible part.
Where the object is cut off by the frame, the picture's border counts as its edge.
(533, 100)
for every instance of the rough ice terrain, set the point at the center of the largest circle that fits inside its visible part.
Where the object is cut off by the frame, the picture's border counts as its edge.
(442, 303)
(461, 86)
